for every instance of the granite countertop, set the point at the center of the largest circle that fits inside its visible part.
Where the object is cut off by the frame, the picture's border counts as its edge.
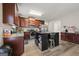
(70, 32)
(14, 35)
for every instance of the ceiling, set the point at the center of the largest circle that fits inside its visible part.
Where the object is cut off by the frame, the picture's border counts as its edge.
(51, 11)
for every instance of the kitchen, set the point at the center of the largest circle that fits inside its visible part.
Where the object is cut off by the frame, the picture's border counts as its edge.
(20, 28)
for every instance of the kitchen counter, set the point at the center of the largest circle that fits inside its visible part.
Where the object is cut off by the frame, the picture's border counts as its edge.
(14, 35)
(16, 43)
(71, 37)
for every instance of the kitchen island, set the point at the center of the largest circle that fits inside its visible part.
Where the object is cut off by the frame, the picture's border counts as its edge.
(43, 40)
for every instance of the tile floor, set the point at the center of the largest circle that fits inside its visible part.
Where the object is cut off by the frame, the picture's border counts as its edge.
(64, 49)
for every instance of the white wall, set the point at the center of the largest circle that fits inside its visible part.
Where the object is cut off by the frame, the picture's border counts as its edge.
(54, 26)
(71, 20)
(57, 26)
(51, 26)
(68, 20)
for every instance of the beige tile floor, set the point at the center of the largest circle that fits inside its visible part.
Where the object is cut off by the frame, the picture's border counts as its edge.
(64, 49)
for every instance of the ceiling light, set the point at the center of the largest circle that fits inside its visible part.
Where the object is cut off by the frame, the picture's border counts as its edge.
(34, 12)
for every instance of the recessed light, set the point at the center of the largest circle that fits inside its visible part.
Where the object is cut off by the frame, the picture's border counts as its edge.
(34, 12)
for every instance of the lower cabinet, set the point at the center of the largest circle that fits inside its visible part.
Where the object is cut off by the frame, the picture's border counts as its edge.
(76, 38)
(17, 45)
(26, 35)
(71, 37)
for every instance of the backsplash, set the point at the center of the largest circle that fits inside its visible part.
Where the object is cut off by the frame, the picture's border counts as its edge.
(71, 29)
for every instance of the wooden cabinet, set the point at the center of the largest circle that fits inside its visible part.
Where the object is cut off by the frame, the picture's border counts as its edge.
(37, 23)
(10, 16)
(64, 36)
(76, 38)
(26, 35)
(17, 45)
(17, 21)
(34, 22)
(71, 37)
(67, 36)
(26, 22)
(8, 13)
(31, 21)
(22, 22)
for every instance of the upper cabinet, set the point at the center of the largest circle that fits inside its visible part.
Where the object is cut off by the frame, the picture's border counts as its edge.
(26, 22)
(10, 16)
(17, 21)
(35, 22)
(17, 18)
(22, 22)
(8, 13)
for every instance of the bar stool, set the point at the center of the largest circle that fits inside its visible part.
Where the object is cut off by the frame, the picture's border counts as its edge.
(52, 43)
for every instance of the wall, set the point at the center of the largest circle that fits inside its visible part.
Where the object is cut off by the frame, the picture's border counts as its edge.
(54, 26)
(71, 19)
(51, 26)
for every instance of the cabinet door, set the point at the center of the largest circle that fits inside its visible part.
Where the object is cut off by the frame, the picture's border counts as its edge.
(17, 21)
(26, 22)
(70, 37)
(76, 38)
(8, 12)
(64, 36)
(37, 23)
(32, 21)
(22, 23)
(19, 46)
